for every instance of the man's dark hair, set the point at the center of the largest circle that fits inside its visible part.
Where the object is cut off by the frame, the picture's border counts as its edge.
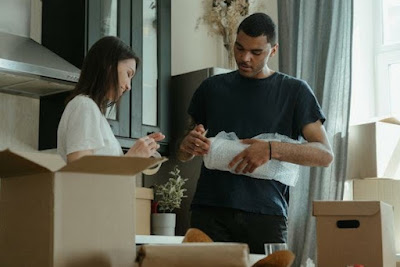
(99, 72)
(259, 24)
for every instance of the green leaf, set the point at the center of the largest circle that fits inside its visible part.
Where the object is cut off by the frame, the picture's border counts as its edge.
(171, 193)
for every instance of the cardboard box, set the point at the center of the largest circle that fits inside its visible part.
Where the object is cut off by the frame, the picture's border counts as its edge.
(144, 196)
(386, 190)
(81, 214)
(374, 150)
(194, 254)
(354, 232)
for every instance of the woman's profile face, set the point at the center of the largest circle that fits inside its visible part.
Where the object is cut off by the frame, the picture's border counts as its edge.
(126, 71)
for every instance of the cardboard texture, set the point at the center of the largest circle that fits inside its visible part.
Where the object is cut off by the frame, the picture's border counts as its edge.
(79, 215)
(194, 254)
(144, 196)
(374, 150)
(386, 190)
(354, 232)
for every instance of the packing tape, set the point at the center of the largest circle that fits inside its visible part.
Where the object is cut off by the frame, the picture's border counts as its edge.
(154, 169)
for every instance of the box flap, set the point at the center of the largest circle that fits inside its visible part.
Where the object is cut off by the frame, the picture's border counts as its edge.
(194, 254)
(111, 165)
(346, 208)
(14, 163)
(144, 193)
(392, 120)
(53, 162)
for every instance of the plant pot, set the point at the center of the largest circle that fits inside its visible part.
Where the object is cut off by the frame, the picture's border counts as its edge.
(163, 224)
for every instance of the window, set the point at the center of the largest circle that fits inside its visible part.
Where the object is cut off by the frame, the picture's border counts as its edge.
(376, 59)
(150, 63)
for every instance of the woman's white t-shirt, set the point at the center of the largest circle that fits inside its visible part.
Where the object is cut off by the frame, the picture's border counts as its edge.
(84, 127)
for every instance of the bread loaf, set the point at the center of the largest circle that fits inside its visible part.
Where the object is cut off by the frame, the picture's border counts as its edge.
(281, 258)
(196, 235)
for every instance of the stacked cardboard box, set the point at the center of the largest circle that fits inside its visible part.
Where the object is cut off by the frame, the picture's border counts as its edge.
(144, 196)
(386, 190)
(374, 166)
(374, 150)
(354, 233)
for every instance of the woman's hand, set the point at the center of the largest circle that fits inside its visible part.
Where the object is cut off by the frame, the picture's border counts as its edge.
(146, 146)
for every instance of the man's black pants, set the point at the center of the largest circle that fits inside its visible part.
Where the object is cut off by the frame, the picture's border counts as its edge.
(232, 225)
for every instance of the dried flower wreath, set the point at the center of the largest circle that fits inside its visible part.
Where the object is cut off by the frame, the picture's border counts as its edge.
(223, 19)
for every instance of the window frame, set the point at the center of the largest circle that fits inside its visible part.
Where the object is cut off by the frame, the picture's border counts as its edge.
(138, 129)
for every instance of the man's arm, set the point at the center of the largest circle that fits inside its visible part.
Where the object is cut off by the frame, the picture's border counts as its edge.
(317, 152)
(194, 143)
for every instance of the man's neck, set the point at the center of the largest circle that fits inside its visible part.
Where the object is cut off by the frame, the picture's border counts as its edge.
(265, 73)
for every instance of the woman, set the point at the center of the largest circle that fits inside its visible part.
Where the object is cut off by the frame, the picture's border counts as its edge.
(106, 74)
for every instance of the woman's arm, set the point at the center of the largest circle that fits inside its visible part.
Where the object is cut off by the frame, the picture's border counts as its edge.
(143, 147)
(78, 154)
(146, 146)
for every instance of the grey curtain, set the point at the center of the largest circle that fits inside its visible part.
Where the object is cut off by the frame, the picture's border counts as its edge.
(315, 45)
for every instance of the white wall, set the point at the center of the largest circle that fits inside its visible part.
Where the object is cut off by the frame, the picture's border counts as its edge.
(19, 122)
(15, 16)
(194, 49)
(191, 49)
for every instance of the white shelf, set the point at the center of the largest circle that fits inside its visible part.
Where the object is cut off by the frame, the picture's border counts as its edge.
(158, 239)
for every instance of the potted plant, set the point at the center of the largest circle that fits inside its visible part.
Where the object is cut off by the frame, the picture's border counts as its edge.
(168, 197)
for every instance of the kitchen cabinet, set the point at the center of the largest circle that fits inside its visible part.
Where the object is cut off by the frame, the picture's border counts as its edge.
(70, 28)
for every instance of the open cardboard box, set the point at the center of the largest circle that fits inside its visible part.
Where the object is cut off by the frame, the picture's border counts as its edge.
(374, 149)
(79, 214)
(354, 232)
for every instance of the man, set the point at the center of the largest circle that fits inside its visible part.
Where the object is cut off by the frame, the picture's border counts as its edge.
(250, 101)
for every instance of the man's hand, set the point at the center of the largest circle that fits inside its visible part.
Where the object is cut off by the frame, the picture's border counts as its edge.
(195, 143)
(252, 157)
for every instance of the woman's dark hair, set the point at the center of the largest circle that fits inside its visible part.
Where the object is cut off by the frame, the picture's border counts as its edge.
(259, 24)
(99, 72)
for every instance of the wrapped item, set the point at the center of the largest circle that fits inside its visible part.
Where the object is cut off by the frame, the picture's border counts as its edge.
(225, 146)
(309, 263)
(194, 254)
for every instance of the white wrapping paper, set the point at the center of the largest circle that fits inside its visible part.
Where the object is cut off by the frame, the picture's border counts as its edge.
(225, 146)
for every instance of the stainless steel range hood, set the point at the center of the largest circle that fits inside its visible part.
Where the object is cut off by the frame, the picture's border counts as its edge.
(28, 68)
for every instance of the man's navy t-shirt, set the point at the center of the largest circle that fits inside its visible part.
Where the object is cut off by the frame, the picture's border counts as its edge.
(248, 107)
